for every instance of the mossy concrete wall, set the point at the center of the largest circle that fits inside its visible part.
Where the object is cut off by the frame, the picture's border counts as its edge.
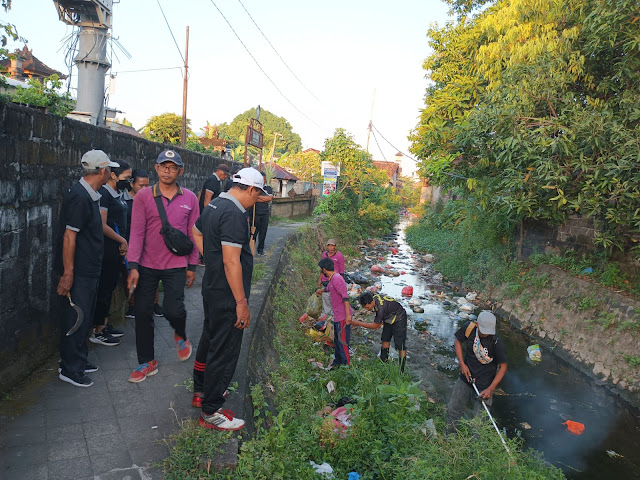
(39, 160)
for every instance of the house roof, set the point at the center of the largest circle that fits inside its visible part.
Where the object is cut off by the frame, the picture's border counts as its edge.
(281, 173)
(311, 150)
(390, 168)
(31, 66)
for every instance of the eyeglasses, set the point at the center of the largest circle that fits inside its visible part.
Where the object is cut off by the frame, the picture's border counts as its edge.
(169, 168)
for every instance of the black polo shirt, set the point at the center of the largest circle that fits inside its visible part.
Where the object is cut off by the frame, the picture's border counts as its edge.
(262, 208)
(387, 309)
(80, 212)
(212, 184)
(116, 208)
(483, 373)
(223, 222)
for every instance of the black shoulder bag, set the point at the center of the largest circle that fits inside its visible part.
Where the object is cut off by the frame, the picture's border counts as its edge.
(175, 240)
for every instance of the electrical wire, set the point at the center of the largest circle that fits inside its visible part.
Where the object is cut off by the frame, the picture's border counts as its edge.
(376, 139)
(147, 70)
(277, 53)
(170, 31)
(262, 69)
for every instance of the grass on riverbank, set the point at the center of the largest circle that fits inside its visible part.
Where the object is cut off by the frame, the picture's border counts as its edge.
(387, 439)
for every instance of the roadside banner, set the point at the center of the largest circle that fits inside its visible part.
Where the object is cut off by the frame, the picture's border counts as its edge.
(330, 175)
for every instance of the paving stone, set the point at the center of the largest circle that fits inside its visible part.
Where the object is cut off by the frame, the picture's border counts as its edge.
(15, 436)
(70, 469)
(66, 402)
(149, 454)
(106, 443)
(33, 472)
(138, 438)
(62, 417)
(136, 422)
(98, 428)
(21, 456)
(107, 461)
(133, 473)
(97, 412)
(153, 473)
(67, 449)
(60, 433)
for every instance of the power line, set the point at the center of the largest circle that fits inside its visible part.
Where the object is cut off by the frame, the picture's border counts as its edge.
(376, 139)
(170, 31)
(277, 53)
(147, 70)
(260, 67)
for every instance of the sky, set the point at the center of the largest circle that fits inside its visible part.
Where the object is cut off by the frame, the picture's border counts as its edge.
(341, 51)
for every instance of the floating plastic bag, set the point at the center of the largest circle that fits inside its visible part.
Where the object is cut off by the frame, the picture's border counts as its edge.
(407, 291)
(535, 355)
(314, 306)
(574, 428)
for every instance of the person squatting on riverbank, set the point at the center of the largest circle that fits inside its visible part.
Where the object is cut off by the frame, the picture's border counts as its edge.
(342, 311)
(150, 260)
(394, 318)
(485, 363)
(338, 266)
(113, 210)
(78, 260)
(222, 236)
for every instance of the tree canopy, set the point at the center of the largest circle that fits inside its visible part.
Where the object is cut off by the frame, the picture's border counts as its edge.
(288, 142)
(536, 103)
(165, 128)
(306, 165)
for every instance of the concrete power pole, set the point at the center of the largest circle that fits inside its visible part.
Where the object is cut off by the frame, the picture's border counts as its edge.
(183, 136)
(94, 19)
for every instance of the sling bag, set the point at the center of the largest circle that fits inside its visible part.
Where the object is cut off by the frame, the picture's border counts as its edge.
(176, 241)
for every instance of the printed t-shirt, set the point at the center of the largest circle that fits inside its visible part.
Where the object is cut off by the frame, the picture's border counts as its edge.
(387, 309)
(483, 373)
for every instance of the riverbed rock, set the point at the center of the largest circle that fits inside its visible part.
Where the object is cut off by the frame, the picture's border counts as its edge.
(417, 309)
(428, 258)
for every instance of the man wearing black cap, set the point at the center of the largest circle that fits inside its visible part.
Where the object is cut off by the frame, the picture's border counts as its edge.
(79, 261)
(263, 209)
(150, 260)
(214, 185)
(485, 363)
(222, 236)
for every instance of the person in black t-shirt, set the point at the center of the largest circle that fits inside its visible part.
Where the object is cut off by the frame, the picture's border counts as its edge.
(263, 209)
(485, 363)
(213, 186)
(113, 211)
(222, 236)
(78, 260)
(394, 318)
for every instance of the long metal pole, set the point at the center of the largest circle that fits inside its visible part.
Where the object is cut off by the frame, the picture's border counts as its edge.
(490, 417)
(183, 136)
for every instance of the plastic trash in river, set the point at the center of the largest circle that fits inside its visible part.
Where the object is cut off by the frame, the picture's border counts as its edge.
(535, 355)
(353, 476)
(574, 428)
(407, 291)
(586, 271)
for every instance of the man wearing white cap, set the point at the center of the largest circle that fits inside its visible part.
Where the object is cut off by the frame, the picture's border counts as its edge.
(485, 363)
(222, 236)
(78, 260)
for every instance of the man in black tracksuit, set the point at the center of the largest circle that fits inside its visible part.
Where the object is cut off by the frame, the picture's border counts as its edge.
(222, 236)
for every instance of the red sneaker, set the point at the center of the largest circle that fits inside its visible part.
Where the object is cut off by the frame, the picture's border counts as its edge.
(183, 347)
(143, 371)
(199, 396)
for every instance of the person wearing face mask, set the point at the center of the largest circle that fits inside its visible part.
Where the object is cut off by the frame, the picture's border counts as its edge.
(113, 211)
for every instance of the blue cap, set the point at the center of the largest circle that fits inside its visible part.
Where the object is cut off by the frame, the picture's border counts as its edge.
(170, 156)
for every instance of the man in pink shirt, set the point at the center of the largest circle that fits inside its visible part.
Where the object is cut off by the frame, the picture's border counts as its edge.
(151, 261)
(333, 254)
(337, 289)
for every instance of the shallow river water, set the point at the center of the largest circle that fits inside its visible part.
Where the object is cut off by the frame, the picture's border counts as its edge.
(534, 399)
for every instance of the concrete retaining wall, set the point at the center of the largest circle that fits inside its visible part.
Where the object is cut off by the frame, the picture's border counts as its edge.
(293, 207)
(39, 160)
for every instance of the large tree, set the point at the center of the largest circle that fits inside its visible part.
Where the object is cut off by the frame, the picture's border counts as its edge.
(165, 128)
(287, 142)
(306, 165)
(535, 103)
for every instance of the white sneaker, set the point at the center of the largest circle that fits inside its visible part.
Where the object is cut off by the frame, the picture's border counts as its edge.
(221, 420)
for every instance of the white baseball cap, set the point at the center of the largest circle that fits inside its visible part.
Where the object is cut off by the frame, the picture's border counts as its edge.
(251, 177)
(97, 159)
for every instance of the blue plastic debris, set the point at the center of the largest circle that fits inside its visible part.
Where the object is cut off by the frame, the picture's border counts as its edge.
(354, 476)
(587, 270)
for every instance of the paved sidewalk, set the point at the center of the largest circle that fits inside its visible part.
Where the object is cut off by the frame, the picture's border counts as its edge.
(114, 430)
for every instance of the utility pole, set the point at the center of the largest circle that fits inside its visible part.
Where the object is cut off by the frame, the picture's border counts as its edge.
(183, 136)
(371, 118)
(273, 149)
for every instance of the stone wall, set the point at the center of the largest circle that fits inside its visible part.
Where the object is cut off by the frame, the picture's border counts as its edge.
(292, 207)
(39, 160)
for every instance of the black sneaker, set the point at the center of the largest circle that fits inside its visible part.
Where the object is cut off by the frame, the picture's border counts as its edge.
(89, 368)
(131, 313)
(103, 338)
(114, 332)
(77, 379)
(157, 310)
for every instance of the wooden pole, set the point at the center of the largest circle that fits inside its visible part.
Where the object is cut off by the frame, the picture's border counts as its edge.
(183, 136)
